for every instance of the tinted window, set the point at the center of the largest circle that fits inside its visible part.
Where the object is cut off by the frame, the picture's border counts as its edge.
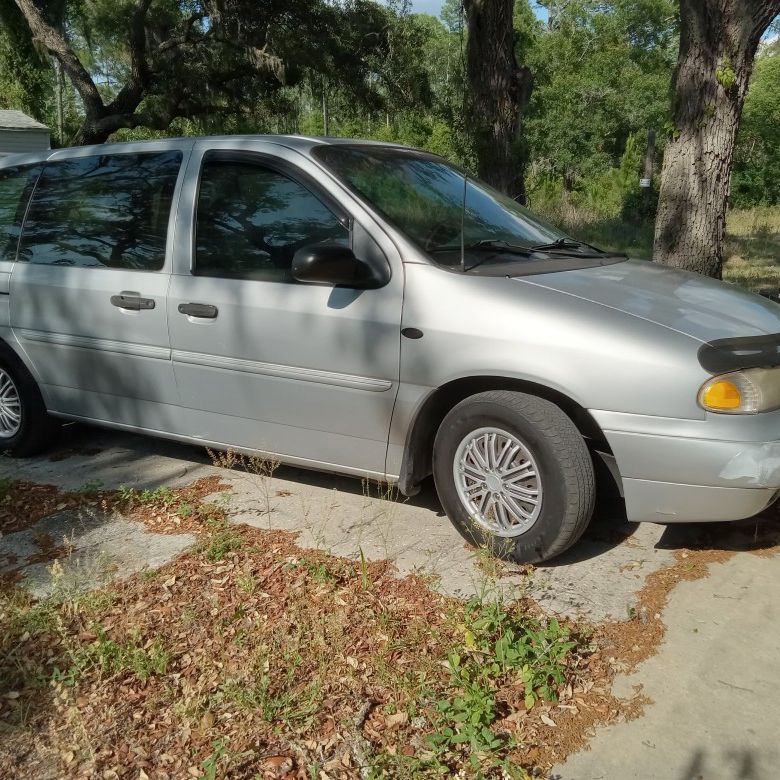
(108, 211)
(15, 187)
(251, 220)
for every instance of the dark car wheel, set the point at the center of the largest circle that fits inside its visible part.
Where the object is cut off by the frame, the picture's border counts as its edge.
(514, 475)
(25, 426)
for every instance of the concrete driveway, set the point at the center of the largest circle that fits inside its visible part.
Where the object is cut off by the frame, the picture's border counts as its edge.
(713, 682)
(597, 579)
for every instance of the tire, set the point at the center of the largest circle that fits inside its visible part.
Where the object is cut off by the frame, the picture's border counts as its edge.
(552, 465)
(26, 428)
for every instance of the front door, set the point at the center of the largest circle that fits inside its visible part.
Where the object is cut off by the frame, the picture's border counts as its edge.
(308, 372)
(88, 290)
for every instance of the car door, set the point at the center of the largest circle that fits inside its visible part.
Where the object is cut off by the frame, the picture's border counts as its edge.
(308, 372)
(88, 290)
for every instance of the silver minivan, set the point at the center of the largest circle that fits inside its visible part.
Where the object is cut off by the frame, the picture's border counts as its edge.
(370, 310)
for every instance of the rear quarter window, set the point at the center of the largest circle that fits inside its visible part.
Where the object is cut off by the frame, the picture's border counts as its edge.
(15, 187)
(102, 211)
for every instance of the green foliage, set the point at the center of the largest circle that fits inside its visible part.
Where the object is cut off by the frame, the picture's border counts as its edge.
(162, 495)
(220, 539)
(725, 74)
(26, 78)
(135, 656)
(470, 713)
(212, 763)
(510, 643)
(756, 173)
(604, 194)
(602, 74)
(500, 647)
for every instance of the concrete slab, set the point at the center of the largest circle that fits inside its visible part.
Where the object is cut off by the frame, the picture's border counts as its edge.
(714, 685)
(96, 548)
(598, 578)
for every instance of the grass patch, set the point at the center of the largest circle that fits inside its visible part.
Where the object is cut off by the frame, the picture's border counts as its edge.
(219, 539)
(752, 251)
(106, 656)
(753, 248)
(249, 647)
(131, 497)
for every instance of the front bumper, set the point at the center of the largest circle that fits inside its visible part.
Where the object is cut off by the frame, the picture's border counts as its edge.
(695, 470)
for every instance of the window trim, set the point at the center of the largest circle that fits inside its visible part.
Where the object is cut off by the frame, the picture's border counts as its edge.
(277, 165)
(31, 186)
(184, 155)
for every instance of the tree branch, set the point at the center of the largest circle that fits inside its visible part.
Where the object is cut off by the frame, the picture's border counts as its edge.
(180, 40)
(132, 93)
(44, 34)
(764, 13)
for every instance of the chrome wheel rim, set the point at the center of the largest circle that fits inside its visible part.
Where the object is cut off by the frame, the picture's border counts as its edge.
(10, 407)
(498, 481)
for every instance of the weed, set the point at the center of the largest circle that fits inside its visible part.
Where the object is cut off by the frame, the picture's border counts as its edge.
(260, 468)
(219, 539)
(487, 562)
(111, 657)
(158, 496)
(185, 510)
(499, 647)
(246, 583)
(282, 703)
(320, 572)
(508, 643)
(365, 577)
(91, 488)
(211, 764)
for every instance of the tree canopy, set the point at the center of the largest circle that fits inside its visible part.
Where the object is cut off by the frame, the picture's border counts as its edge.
(593, 79)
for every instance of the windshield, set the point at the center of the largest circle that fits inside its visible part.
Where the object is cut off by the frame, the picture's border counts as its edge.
(423, 196)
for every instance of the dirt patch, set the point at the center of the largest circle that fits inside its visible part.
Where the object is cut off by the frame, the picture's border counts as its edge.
(171, 511)
(251, 657)
(23, 504)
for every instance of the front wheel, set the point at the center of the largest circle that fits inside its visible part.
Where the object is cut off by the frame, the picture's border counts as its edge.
(514, 475)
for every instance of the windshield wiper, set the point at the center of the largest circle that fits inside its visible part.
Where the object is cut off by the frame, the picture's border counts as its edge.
(562, 244)
(486, 244)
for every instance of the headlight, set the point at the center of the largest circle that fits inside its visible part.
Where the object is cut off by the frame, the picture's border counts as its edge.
(742, 392)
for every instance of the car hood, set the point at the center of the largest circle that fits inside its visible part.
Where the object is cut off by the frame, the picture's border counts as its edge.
(700, 307)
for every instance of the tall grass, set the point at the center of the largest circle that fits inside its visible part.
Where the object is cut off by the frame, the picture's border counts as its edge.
(752, 253)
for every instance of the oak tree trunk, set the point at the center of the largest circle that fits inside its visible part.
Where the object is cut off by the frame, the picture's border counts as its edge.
(718, 42)
(498, 93)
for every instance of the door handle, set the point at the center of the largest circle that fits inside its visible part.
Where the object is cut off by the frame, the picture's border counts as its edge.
(203, 310)
(131, 301)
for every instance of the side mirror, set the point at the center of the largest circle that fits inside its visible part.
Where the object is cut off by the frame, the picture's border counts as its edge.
(334, 264)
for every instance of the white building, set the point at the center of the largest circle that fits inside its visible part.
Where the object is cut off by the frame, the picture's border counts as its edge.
(21, 133)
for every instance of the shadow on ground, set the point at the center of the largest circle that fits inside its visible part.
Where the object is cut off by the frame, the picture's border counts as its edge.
(599, 577)
(761, 532)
